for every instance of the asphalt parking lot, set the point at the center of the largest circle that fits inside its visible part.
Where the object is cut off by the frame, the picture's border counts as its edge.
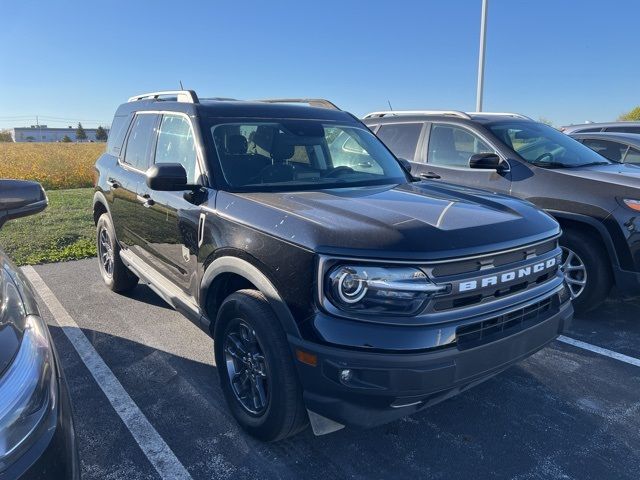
(566, 412)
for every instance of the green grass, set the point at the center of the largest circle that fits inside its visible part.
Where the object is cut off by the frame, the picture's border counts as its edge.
(64, 231)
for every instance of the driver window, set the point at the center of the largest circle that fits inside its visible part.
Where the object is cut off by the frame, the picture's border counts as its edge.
(452, 146)
(177, 145)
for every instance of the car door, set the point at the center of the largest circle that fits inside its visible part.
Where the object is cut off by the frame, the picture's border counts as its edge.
(126, 179)
(446, 150)
(172, 219)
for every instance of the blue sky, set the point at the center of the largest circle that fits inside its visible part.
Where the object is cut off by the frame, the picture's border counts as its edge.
(568, 61)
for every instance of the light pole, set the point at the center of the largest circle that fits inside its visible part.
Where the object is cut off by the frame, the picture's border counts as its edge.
(483, 43)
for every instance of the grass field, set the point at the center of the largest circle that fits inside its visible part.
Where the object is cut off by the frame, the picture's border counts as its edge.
(54, 165)
(64, 231)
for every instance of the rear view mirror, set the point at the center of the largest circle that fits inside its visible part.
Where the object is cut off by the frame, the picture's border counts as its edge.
(168, 177)
(20, 198)
(485, 161)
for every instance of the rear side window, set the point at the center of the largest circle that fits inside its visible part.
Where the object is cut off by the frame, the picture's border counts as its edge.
(587, 130)
(623, 129)
(401, 138)
(452, 146)
(176, 144)
(139, 141)
(116, 135)
(633, 156)
(613, 151)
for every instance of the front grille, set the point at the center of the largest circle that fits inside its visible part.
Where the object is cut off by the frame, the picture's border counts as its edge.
(498, 260)
(474, 281)
(475, 334)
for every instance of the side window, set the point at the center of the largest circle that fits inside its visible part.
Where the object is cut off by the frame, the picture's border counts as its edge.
(177, 145)
(401, 138)
(633, 156)
(623, 129)
(117, 133)
(139, 141)
(451, 146)
(610, 150)
(588, 130)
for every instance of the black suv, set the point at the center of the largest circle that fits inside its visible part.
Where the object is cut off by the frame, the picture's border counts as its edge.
(596, 202)
(337, 288)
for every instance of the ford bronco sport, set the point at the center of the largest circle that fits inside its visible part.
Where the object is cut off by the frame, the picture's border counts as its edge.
(338, 289)
(596, 201)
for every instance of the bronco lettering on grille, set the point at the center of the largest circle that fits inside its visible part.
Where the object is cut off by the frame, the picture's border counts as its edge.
(508, 276)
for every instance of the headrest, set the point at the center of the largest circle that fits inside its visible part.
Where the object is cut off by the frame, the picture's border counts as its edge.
(236, 145)
(282, 149)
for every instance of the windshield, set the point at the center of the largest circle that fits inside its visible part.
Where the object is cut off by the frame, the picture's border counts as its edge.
(302, 154)
(545, 146)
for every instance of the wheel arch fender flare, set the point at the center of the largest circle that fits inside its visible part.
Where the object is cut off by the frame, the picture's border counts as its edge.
(605, 236)
(238, 266)
(99, 198)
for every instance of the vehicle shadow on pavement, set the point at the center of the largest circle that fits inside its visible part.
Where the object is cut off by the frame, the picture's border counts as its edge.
(144, 294)
(557, 413)
(614, 325)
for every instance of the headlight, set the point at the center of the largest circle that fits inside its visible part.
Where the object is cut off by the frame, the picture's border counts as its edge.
(632, 204)
(27, 386)
(379, 290)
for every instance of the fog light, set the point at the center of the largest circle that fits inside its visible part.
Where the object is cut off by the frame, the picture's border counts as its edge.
(346, 375)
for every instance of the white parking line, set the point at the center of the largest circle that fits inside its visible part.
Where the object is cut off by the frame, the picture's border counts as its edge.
(602, 351)
(153, 446)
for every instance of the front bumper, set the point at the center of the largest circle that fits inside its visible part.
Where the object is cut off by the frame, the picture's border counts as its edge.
(54, 455)
(387, 386)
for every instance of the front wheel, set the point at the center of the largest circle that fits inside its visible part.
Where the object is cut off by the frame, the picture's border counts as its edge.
(587, 270)
(256, 369)
(114, 272)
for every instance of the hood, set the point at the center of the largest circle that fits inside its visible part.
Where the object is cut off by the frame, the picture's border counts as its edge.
(418, 221)
(620, 175)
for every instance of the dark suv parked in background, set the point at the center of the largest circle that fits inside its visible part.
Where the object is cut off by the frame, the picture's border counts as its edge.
(336, 287)
(596, 202)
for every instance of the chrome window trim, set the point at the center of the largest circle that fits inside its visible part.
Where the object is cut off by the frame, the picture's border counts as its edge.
(161, 113)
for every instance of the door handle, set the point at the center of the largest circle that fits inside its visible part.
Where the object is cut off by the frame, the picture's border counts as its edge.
(112, 183)
(146, 200)
(432, 175)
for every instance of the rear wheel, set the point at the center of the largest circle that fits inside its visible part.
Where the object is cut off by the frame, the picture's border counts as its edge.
(587, 270)
(256, 369)
(114, 272)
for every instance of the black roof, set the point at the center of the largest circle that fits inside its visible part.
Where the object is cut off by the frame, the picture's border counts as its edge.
(221, 108)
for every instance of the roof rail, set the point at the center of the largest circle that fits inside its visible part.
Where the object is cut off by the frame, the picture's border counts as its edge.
(312, 102)
(454, 113)
(504, 114)
(184, 96)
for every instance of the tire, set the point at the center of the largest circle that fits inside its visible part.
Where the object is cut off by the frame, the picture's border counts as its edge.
(246, 318)
(593, 256)
(117, 277)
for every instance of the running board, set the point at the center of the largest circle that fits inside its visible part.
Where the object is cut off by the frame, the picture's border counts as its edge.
(322, 425)
(165, 289)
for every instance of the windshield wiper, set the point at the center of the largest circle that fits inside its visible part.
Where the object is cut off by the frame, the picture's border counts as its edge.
(550, 164)
(590, 164)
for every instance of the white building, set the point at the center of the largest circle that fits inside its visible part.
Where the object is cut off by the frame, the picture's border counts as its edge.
(42, 133)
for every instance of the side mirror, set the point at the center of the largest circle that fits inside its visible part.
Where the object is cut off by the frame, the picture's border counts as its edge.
(20, 198)
(484, 161)
(167, 177)
(405, 164)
